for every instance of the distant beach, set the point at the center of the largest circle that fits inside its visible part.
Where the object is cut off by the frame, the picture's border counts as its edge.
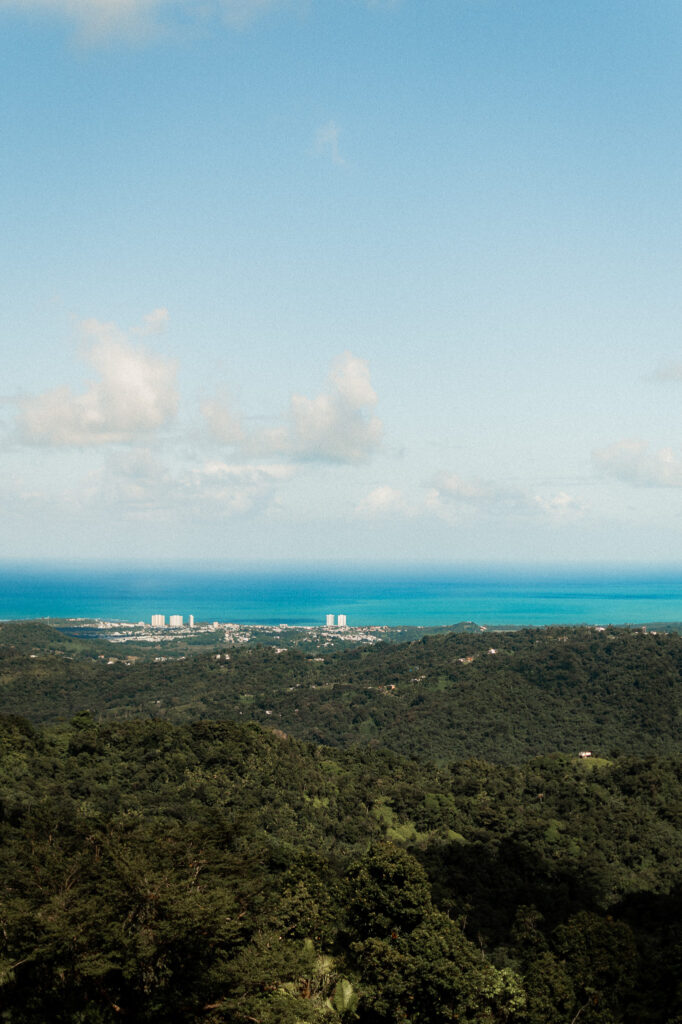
(393, 597)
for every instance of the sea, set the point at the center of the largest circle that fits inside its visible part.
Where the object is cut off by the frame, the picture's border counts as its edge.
(303, 596)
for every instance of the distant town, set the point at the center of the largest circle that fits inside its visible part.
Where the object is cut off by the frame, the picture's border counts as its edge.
(172, 631)
(181, 637)
(234, 633)
(176, 622)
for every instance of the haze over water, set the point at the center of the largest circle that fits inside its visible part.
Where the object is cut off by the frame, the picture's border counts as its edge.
(380, 596)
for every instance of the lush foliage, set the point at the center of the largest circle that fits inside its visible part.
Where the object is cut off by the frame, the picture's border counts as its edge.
(217, 872)
(165, 858)
(503, 697)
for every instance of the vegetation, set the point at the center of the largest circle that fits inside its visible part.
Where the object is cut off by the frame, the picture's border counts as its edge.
(160, 862)
(217, 872)
(500, 697)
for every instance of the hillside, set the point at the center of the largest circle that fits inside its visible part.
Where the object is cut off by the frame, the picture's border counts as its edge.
(40, 637)
(502, 697)
(217, 872)
(162, 864)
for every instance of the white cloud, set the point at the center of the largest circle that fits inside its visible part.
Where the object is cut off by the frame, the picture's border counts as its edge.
(224, 423)
(100, 19)
(237, 489)
(452, 497)
(327, 142)
(134, 480)
(225, 471)
(133, 394)
(560, 506)
(139, 484)
(447, 496)
(383, 501)
(335, 426)
(154, 322)
(452, 488)
(241, 12)
(97, 18)
(633, 462)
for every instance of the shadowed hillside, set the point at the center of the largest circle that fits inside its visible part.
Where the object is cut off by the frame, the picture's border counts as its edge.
(502, 697)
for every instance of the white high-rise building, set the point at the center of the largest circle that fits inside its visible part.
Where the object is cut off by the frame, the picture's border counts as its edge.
(330, 620)
(342, 620)
(158, 620)
(191, 622)
(175, 620)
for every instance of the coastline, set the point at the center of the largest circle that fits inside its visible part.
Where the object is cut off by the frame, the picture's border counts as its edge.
(499, 599)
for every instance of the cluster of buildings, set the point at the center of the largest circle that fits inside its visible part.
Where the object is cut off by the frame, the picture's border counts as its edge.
(341, 620)
(174, 621)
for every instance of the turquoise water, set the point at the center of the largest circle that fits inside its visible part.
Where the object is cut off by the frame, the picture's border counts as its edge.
(367, 596)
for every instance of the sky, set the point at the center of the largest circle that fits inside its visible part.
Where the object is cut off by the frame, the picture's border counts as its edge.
(341, 281)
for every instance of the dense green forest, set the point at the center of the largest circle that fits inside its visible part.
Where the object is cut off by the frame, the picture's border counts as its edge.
(498, 696)
(213, 871)
(397, 834)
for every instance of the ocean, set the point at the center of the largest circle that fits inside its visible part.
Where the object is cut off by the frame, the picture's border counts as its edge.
(367, 596)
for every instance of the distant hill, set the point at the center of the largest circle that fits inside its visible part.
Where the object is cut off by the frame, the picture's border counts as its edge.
(34, 636)
(500, 696)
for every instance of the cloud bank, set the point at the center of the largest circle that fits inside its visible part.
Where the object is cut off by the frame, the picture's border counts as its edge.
(450, 493)
(450, 496)
(453, 499)
(95, 18)
(336, 426)
(99, 19)
(132, 394)
(139, 483)
(633, 462)
(383, 501)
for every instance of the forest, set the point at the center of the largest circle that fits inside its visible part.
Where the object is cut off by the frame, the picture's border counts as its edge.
(169, 851)
(497, 696)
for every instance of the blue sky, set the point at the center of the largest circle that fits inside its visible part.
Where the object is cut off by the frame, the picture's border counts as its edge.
(341, 280)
